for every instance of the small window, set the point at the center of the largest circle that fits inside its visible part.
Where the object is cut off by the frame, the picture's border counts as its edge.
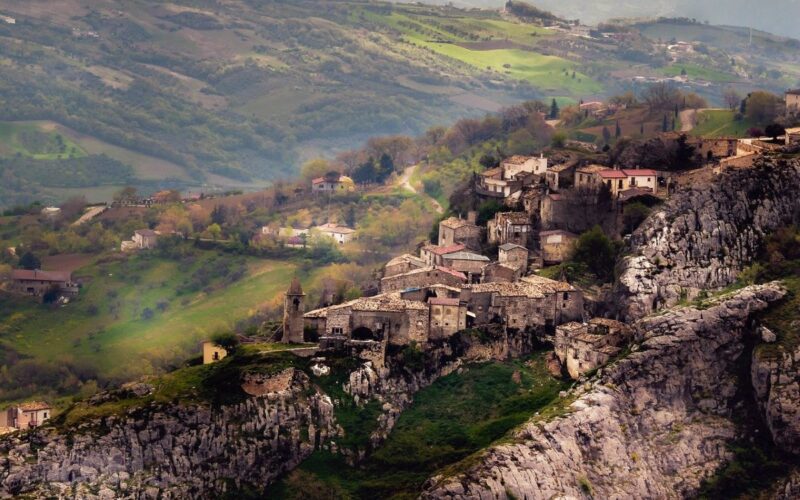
(566, 296)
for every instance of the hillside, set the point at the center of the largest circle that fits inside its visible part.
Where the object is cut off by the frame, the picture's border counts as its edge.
(211, 95)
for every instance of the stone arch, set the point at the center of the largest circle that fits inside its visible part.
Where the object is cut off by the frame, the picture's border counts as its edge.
(364, 333)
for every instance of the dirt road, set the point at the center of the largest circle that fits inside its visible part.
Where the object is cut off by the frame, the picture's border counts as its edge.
(405, 182)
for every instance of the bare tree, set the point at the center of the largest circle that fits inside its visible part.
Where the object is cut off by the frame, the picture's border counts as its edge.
(731, 97)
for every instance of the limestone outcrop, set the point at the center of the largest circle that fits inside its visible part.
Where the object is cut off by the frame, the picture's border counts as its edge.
(171, 450)
(703, 236)
(652, 425)
(776, 381)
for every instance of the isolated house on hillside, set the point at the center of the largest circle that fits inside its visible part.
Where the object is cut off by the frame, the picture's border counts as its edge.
(28, 415)
(341, 234)
(37, 283)
(332, 182)
(145, 239)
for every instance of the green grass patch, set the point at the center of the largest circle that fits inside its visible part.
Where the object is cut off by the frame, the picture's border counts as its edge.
(699, 73)
(449, 421)
(720, 123)
(35, 141)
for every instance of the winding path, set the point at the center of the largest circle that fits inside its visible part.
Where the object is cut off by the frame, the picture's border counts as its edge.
(405, 182)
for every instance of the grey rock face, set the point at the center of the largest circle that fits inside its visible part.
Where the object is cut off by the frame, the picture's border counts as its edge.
(703, 236)
(654, 425)
(776, 381)
(171, 451)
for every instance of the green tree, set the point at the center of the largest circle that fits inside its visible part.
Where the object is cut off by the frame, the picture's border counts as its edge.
(314, 168)
(606, 135)
(763, 107)
(30, 261)
(618, 131)
(597, 252)
(554, 110)
(214, 231)
(227, 340)
(633, 215)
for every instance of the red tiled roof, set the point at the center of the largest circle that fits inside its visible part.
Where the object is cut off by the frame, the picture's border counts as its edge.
(612, 174)
(443, 301)
(37, 275)
(643, 172)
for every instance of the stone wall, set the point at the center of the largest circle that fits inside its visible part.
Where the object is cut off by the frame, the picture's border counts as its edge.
(704, 235)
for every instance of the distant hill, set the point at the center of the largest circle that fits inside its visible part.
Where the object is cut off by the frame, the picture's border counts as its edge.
(776, 16)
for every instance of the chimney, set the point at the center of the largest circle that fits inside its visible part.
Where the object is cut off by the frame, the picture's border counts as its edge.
(472, 216)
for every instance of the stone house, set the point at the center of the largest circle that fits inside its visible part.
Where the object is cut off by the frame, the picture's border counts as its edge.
(433, 255)
(340, 234)
(213, 353)
(792, 99)
(455, 230)
(469, 263)
(37, 283)
(643, 178)
(516, 165)
(530, 303)
(583, 347)
(556, 246)
(711, 148)
(513, 256)
(587, 177)
(501, 273)
(510, 227)
(447, 317)
(145, 239)
(421, 278)
(491, 184)
(403, 264)
(384, 318)
(332, 182)
(596, 176)
(560, 176)
(28, 415)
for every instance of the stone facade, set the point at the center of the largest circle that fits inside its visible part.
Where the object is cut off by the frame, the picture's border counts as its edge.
(469, 263)
(433, 255)
(454, 230)
(583, 347)
(556, 246)
(792, 100)
(421, 278)
(510, 227)
(513, 256)
(213, 353)
(403, 264)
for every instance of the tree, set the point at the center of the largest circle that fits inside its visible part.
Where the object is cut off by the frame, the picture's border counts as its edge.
(554, 110)
(597, 252)
(763, 107)
(661, 97)
(633, 215)
(774, 130)
(618, 131)
(365, 173)
(29, 261)
(641, 129)
(218, 214)
(227, 340)
(314, 168)
(731, 98)
(664, 124)
(559, 140)
(606, 135)
(125, 195)
(214, 231)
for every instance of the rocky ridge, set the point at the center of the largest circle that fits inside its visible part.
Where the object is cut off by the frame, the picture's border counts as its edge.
(776, 381)
(652, 425)
(704, 235)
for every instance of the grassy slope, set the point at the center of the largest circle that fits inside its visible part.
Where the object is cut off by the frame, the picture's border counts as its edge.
(720, 123)
(11, 143)
(108, 341)
(453, 418)
(695, 72)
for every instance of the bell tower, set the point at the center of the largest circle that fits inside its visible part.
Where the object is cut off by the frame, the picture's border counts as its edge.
(293, 309)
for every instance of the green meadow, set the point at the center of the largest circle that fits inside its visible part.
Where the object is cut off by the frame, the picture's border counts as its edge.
(30, 139)
(136, 316)
(720, 123)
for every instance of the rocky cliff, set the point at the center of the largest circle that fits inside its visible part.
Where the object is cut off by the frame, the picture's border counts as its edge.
(652, 425)
(776, 381)
(704, 235)
(171, 450)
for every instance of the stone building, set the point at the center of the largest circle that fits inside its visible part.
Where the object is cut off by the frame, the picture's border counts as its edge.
(213, 352)
(454, 230)
(293, 308)
(28, 415)
(583, 347)
(340, 234)
(37, 283)
(517, 165)
(403, 264)
(145, 239)
(447, 317)
(469, 263)
(510, 227)
(513, 256)
(560, 176)
(421, 278)
(500, 273)
(433, 255)
(532, 302)
(492, 184)
(556, 246)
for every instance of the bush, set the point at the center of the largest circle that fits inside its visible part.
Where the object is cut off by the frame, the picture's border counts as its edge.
(227, 340)
(633, 215)
(597, 252)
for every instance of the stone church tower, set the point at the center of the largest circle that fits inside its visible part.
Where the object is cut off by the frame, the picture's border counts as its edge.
(293, 309)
